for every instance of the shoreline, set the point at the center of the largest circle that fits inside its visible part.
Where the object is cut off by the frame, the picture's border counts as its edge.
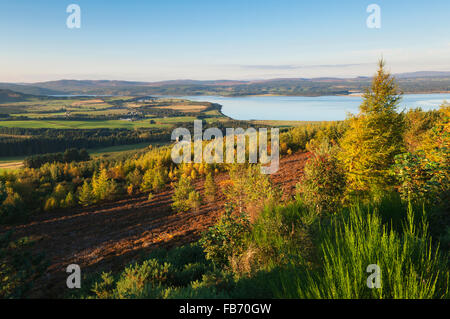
(358, 94)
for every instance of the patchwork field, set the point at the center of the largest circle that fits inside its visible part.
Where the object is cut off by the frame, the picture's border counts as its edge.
(109, 112)
(122, 122)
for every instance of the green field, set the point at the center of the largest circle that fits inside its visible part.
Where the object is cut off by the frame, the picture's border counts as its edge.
(62, 124)
(119, 149)
(10, 163)
(103, 112)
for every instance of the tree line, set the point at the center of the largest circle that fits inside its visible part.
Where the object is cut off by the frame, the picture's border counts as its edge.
(70, 155)
(26, 141)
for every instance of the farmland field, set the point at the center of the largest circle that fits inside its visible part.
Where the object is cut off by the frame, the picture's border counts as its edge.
(120, 122)
(85, 124)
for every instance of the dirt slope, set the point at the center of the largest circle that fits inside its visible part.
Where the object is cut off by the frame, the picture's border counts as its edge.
(109, 236)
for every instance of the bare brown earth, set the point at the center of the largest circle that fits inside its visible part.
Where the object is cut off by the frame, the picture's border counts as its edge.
(112, 235)
(183, 107)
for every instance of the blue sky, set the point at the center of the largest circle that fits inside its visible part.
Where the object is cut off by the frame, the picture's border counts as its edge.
(235, 39)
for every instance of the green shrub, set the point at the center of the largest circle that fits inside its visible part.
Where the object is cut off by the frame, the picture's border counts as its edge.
(196, 291)
(281, 235)
(225, 239)
(104, 289)
(136, 281)
(194, 200)
(181, 256)
(190, 272)
(210, 187)
(19, 266)
(323, 184)
(421, 179)
(184, 196)
(249, 189)
(410, 266)
(13, 209)
(163, 274)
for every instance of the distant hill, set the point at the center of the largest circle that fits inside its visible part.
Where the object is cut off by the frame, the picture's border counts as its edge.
(11, 96)
(73, 85)
(82, 86)
(28, 89)
(415, 82)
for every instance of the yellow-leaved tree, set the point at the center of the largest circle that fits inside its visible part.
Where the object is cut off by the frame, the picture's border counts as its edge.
(373, 138)
(436, 142)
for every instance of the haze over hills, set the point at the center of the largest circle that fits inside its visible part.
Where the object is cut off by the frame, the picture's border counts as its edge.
(421, 74)
(12, 96)
(28, 89)
(415, 82)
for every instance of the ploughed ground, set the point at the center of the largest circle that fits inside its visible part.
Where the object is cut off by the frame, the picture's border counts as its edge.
(111, 235)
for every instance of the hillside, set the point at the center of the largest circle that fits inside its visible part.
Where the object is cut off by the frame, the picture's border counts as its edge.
(11, 96)
(111, 235)
(28, 89)
(415, 82)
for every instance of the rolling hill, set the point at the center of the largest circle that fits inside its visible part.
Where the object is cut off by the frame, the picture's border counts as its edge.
(11, 96)
(416, 82)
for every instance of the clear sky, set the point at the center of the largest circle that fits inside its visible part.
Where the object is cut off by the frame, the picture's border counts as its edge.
(208, 39)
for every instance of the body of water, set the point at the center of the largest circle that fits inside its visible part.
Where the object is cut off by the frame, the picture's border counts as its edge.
(300, 108)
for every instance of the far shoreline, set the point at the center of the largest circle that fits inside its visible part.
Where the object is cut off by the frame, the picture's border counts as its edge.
(177, 96)
(356, 94)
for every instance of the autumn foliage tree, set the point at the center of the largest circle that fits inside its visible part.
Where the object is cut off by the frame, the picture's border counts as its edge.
(102, 186)
(425, 174)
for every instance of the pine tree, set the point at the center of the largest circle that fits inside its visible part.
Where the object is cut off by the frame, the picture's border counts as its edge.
(374, 137)
(135, 178)
(70, 200)
(323, 181)
(147, 181)
(181, 194)
(86, 196)
(50, 204)
(160, 179)
(194, 200)
(101, 185)
(210, 187)
(154, 179)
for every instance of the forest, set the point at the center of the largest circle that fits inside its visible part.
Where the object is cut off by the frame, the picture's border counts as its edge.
(30, 141)
(374, 190)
